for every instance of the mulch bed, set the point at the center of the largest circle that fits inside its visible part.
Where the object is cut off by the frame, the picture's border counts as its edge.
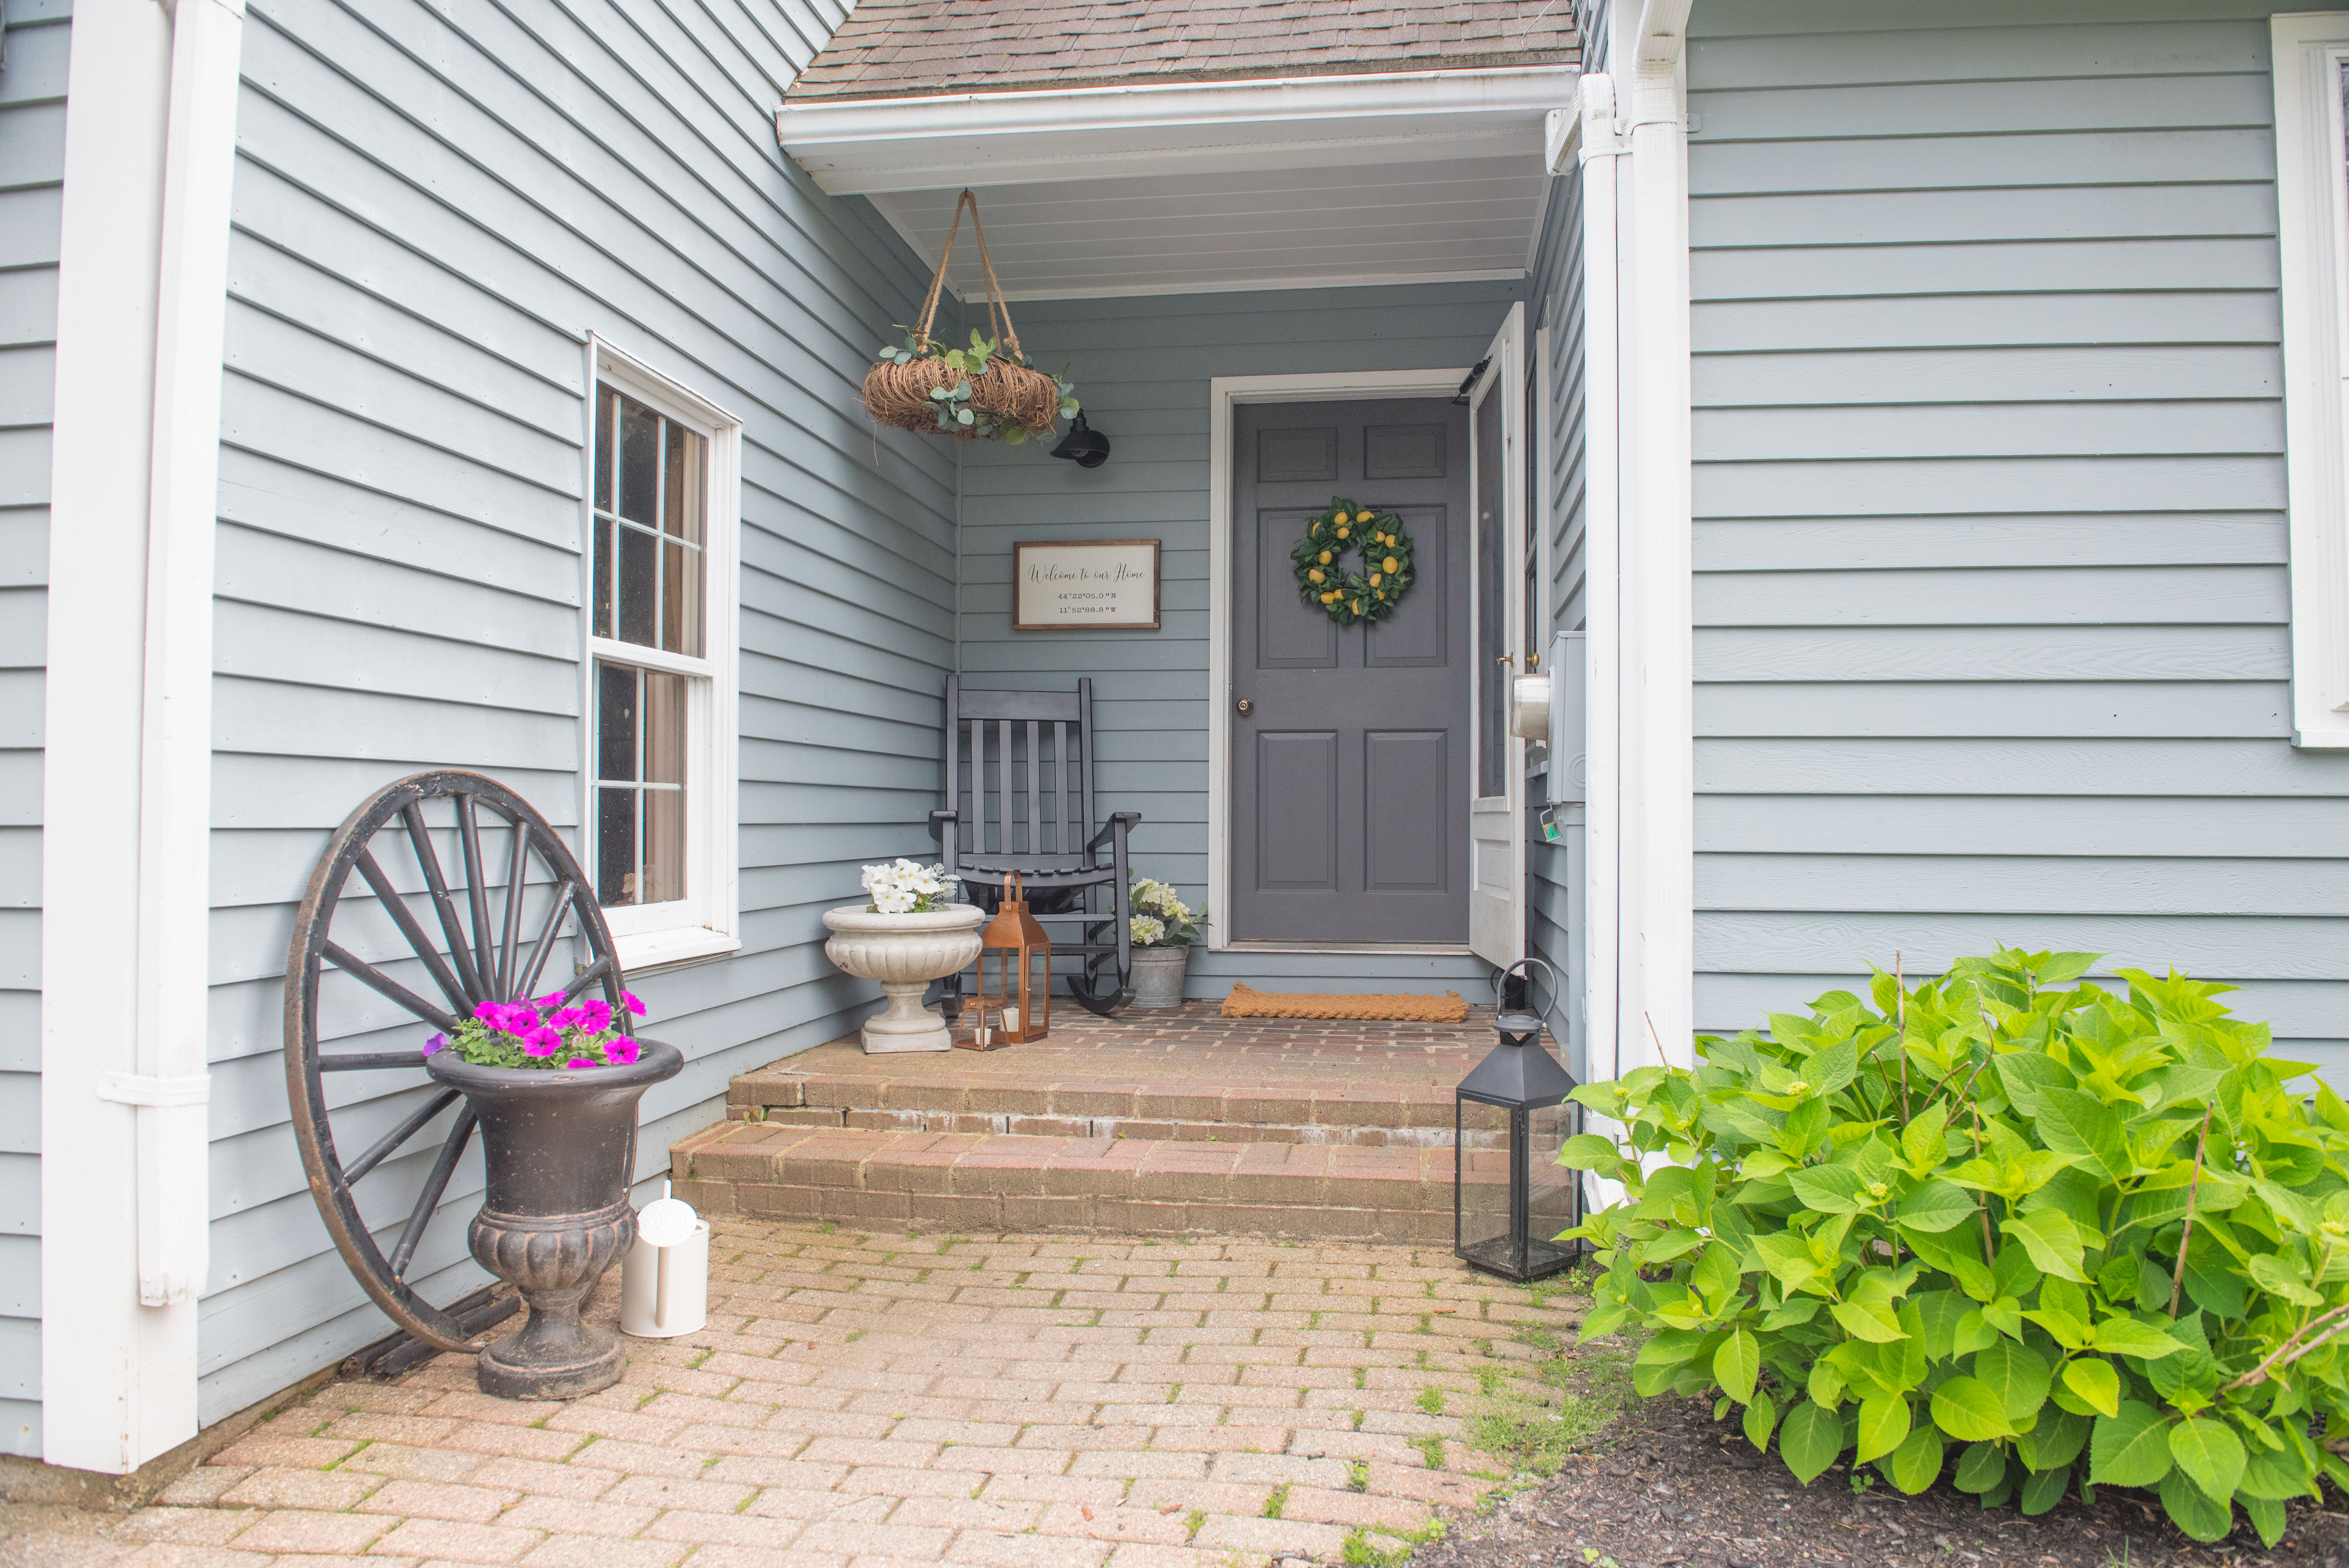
(1667, 1485)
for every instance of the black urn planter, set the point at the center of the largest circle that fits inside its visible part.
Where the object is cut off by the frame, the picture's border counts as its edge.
(558, 1146)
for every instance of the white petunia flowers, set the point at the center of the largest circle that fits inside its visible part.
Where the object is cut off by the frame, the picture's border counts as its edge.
(903, 887)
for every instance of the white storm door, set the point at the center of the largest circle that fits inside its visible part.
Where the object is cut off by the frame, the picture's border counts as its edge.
(1496, 807)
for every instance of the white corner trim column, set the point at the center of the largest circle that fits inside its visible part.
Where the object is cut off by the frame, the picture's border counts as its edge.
(1644, 705)
(150, 154)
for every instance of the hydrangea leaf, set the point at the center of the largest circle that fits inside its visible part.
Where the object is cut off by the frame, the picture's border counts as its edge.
(1761, 1416)
(2053, 1240)
(1968, 1410)
(2131, 1448)
(1936, 1206)
(2095, 1382)
(1588, 1152)
(2209, 1453)
(1917, 1462)
(2044, 1489)
(2194, 1512)
(2267, 1517)
(1924, 1142)
(2278, 1475)
(2018, 1374)
(2127, 1336)
(1737, 1364)
(2075, 1123)
(2054, 1442)
(1809, 1440)
(1833, 1068)
(1981, 1468)
(1883, 1426)
(1872, 1324)
(1830, 1188)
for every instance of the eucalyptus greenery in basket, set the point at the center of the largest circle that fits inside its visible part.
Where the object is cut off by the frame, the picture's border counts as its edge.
(960, 404)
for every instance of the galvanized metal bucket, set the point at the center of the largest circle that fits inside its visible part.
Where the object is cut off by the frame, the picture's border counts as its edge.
(1158, 977)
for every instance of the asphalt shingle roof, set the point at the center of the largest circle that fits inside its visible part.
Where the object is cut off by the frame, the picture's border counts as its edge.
(898, 48)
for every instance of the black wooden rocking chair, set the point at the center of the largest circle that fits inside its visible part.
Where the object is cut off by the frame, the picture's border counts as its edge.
(1011, 757)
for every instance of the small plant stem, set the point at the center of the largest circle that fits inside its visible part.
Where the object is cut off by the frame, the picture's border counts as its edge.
(1900, 1010)
(2299, 1345)
(2193, 1189)
(1990, 1246)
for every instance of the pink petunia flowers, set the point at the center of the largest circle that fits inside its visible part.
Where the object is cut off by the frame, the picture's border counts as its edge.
(548, 1032)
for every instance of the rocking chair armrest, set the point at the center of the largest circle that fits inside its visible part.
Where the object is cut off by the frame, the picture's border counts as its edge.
(1116, 827)
(939, 820)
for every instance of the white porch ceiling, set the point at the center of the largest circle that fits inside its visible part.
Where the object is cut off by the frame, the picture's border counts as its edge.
(1274, 229)
(1204, 187)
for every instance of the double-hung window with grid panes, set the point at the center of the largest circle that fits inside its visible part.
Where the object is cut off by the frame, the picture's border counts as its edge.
(656, 684)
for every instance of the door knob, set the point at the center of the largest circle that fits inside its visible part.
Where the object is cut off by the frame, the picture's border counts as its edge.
(1245, 705)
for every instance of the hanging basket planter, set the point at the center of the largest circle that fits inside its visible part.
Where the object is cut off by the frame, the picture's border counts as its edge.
(987, 391)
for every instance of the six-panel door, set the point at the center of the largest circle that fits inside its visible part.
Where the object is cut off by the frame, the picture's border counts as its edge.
(1350, 771)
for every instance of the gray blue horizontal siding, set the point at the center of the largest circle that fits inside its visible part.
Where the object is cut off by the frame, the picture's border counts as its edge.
(433, 209)
(1554, 871)
(32, 178)
(1142, 368)
(1992, 592)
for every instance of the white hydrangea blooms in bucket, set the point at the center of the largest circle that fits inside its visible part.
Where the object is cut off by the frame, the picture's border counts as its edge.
(1162, 928)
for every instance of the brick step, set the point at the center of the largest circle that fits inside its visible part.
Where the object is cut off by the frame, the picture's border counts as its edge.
(1077, 1106)
(995, 1182)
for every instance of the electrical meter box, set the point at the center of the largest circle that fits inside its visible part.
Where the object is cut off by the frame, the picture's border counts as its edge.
(1570, 747)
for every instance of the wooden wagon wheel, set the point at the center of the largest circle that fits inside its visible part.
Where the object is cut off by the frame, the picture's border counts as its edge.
(459, 951)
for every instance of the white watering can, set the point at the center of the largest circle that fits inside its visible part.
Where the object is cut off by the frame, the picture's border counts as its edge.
(665, 1277)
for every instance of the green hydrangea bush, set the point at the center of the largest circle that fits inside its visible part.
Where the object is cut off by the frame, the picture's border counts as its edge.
(2062, 1238)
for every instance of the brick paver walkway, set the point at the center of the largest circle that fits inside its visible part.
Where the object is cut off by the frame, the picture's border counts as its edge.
(890, 1400)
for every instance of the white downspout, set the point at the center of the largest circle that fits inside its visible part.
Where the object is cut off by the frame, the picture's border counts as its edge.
(175, 742)
(1602, 563)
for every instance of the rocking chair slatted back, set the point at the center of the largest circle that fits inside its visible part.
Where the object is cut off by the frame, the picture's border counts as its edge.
(1033, 820)
(1026, 784)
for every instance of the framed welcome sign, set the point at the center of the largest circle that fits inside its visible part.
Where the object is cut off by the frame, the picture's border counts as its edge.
(1085, 585)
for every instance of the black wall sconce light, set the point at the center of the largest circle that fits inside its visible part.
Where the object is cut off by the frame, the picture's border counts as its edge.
(1084, 446)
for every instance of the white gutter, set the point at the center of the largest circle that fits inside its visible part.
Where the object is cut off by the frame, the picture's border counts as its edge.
(871, 145)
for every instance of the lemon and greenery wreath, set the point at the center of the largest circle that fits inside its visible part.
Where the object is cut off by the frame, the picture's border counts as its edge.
(1325, 580)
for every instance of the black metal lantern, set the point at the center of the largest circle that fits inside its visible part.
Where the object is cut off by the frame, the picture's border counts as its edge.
(1083, 445)
(1509, 1202)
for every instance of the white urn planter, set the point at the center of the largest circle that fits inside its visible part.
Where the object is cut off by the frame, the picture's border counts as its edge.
(904, 952)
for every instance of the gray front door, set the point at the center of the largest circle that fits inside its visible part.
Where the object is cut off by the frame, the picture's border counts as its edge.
(1351, 772)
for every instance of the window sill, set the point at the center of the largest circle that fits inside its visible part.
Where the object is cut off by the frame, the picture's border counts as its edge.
(646, 950)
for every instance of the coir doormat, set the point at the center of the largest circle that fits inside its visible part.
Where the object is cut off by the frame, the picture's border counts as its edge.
(1243, 1003)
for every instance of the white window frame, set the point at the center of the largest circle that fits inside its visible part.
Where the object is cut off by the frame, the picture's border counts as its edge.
(2313, 201)
(708, 922)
